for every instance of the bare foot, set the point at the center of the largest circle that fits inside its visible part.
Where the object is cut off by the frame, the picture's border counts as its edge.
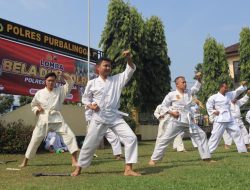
(74, 164)
(119, 157)
(76, 172)
(227, 147)
(22, 165)
(131, 173)
(152, 162)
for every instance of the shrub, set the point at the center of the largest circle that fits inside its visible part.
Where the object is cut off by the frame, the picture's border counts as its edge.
(14, 136)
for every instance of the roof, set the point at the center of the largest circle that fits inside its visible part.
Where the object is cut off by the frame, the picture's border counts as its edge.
(232, 50)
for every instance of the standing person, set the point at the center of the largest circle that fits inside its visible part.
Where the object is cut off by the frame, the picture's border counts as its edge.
(47, 104)
(112, 138)
(218, 108)
(178, 105)
(105, 91)
(235, 109)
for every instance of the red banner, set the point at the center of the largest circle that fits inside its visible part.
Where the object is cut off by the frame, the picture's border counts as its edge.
(22, 70)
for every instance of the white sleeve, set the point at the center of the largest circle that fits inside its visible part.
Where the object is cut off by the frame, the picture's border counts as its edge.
(248, 117)
(87, 96)
(34, 104)
(210, 106)
(66, 88)
(126, 75)
(166, 104)
(243, 100)
(157, 112)
(195, 89)
(234, 94)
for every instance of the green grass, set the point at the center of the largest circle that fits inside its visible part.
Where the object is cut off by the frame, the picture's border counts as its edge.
(175, 171)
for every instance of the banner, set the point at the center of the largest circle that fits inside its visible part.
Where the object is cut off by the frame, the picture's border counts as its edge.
(23, 68)
(23, 34)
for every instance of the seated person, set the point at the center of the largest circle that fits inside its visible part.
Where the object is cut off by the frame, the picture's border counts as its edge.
(54, 143)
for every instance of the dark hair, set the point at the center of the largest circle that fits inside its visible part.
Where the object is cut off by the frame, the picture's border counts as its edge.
(222, 83)
(100, 60)
(50, 75)
(175, 80)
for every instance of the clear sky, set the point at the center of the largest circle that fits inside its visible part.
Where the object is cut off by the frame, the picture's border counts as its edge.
(187, 23)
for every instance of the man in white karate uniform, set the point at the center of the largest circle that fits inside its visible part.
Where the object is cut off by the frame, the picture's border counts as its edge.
(46, 104)
(163, 120)
(235, 109)
(178, 105)
(105, 91)
(112, 138)
(218, 108)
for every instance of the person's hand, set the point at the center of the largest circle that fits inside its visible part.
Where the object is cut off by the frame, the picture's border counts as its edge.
(39, 110)
(66, 76)
(94, 107)
(175, 114)
(248, 92)
(216, 112)
(243, 83)
(126, 54)
(161, 117)
(198, 76)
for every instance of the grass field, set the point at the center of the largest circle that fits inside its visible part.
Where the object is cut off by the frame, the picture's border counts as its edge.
(176, 171)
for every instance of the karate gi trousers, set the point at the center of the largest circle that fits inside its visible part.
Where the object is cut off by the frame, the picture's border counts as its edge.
(233, 130)
(97, 130)
(40, 133)
(172, 130)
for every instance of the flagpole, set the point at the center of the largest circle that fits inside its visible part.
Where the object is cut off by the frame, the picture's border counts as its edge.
(88, 36)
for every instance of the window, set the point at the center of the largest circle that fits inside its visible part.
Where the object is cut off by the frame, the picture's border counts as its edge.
(236, 65)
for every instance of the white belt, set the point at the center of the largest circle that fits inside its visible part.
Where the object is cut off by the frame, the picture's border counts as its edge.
(116, 111)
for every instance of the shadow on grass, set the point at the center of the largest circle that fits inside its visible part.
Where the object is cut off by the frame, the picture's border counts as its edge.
(154, 170)
(103, 172)
(56, 164)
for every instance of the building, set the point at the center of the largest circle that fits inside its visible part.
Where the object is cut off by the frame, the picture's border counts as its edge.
(233, 58)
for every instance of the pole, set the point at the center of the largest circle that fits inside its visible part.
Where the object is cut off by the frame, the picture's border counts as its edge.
(88, 36)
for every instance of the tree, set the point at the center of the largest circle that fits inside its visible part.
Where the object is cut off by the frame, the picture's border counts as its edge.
(198, 68)
(215, 69)
(245, 54)
(6, 102)
(126, 29)
(25, 100)
(155, 73)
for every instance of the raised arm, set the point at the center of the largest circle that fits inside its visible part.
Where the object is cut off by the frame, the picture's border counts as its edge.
(195, 89)
(197, 85)
(234, 94)
(125, 76)
(244, 100)
(69, 83)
